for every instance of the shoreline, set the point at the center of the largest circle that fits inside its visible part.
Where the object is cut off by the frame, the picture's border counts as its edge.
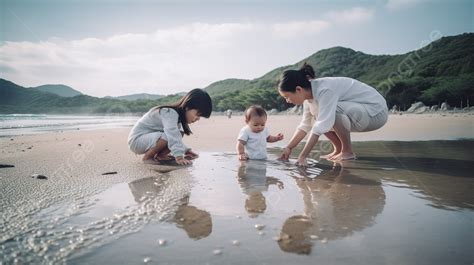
(291, 119)
(218, 133)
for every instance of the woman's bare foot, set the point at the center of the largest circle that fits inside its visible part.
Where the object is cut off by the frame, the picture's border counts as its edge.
(344, 156)
(164, 157)
(147, 157)
(329, 156)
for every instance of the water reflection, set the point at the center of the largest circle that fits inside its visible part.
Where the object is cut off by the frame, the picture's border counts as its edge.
(253, 180)
(336, 204)
(446, 183)
(438, 171)
(195, 222)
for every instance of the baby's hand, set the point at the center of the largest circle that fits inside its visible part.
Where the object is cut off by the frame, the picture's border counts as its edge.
(279, 137)
(243, 157)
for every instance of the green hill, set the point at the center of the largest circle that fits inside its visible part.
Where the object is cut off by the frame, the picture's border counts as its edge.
(137, 97)
(441, 71)
(60, 90)
(18, 99)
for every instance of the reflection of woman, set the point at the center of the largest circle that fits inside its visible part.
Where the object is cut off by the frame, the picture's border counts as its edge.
(337, 203)
(340, 105)
(197, 223)
(253, 181)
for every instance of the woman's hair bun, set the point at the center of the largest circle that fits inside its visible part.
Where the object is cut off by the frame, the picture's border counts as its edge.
(307, 70)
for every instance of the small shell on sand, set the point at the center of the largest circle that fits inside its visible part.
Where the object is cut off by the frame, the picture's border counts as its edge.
(38, 176)
(259, 226)
(162, 242)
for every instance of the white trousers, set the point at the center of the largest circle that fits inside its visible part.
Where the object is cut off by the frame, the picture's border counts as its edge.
(353, 117)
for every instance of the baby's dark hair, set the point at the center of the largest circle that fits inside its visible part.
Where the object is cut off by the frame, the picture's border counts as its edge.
(255, 110)
(290, 79)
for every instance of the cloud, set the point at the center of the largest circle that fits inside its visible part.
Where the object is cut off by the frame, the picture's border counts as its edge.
(394, 5)
(162, 62)
(350, 16)
(299, 28)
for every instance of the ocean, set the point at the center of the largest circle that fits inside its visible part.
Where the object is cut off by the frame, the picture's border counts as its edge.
(22, 124)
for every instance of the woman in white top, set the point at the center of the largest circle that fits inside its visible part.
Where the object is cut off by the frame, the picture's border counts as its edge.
(333, 106)
(159, 132)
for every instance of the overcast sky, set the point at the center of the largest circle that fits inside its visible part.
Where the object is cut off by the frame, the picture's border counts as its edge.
(162, 47)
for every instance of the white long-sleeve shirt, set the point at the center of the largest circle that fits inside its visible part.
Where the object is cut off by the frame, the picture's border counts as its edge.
(164, 120)
(327, 92)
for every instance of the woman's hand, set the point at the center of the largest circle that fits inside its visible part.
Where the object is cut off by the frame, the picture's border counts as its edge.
(301, 162)
(243, 157)
(285, 155)
(183, 161)
(313, 139)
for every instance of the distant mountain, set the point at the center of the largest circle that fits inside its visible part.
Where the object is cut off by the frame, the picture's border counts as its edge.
(18, 99)
(441, 71)
(137, 96)
(60, 90)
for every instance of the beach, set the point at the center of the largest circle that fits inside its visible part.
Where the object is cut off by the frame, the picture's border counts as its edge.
(99, 203)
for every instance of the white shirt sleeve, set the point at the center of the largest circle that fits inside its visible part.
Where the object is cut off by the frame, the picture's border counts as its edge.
(305, 124)
(170, 118)
(327, 100)
(243, 135)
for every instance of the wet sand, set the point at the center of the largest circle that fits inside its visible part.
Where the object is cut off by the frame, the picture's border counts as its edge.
(400, 203)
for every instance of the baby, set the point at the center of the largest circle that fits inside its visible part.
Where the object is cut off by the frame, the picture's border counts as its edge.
(254, 136)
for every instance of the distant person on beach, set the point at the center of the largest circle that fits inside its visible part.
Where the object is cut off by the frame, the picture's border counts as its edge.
(160, 131)
(336, 105)
(229, 113)
(253, 137)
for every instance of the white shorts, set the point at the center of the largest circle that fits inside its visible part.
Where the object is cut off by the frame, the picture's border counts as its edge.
(354, 117)
(143, 143)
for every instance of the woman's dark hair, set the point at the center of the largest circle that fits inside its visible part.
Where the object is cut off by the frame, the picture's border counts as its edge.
(197, 99)
(290, 79)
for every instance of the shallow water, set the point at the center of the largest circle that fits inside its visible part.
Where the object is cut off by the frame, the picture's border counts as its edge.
(21, 124)
(399, 203)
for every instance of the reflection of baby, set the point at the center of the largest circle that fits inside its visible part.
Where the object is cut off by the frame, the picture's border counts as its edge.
(253, 181)
(253, 138)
